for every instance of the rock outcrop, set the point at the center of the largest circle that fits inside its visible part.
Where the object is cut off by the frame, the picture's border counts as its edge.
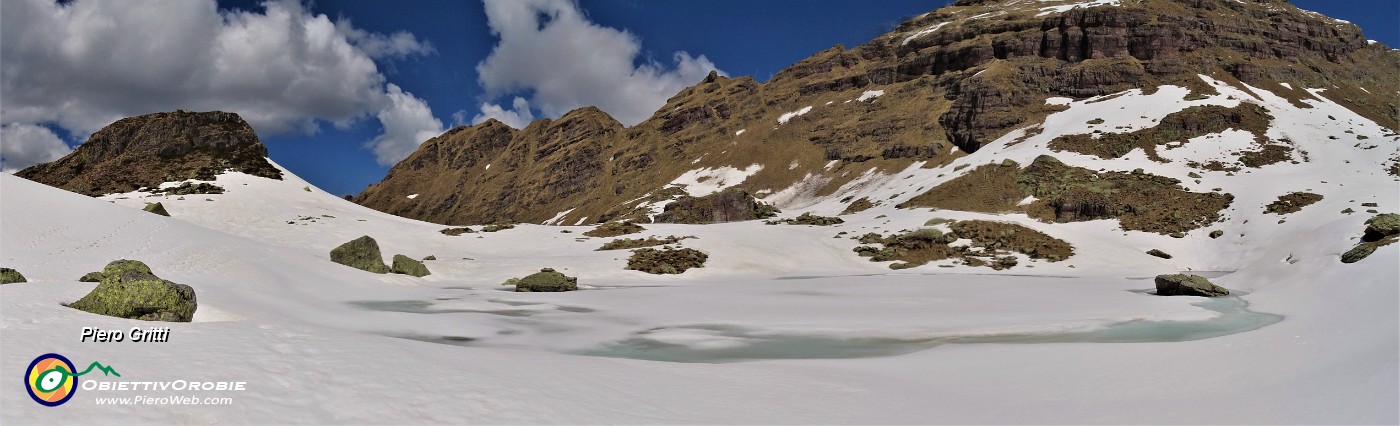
(730, 205)
(360, 253)
(147, 150)
(128, 289)
(1187, 285)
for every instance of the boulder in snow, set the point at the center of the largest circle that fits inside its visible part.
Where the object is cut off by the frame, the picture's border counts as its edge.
(8, 276)
(1187, 285)
(156, 208)
(130, 290)
(360, 253)
(546, 280)
(407, 266)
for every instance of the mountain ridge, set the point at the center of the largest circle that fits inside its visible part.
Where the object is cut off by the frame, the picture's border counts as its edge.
(937, 87)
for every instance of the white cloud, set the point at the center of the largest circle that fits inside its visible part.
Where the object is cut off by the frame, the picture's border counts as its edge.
(518, 116)
(22, 145)
(407, 123)
(380, 46)
(549, 49)
(84, 64)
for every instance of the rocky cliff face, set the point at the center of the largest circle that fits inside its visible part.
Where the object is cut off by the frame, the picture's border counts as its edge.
(937, 87)
(147, 150)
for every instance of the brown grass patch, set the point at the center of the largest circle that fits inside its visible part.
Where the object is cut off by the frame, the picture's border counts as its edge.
(989, 188)
(1179, 126)
(1292, 202)
(990, 244)
(1139, 201)
(631, 243)
(613, 229)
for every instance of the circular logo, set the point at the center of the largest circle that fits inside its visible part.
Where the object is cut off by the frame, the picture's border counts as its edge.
(50, 380)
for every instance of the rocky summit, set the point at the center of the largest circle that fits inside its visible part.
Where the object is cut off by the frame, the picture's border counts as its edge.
(147, 150)
(937, 87)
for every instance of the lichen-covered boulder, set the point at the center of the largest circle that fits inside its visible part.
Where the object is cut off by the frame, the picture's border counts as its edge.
(407, 266)
(1381, 226)
(547, 280)
(156, 208)
(137, 294)
(8, 276)
(1159, 253)
(1361, 251)
(1187, 285)
(360, 253)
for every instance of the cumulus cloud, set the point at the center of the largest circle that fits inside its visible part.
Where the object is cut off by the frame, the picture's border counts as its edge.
(407, 123)
(83, 64)
(548, 48)
(22, 145)
(518, 116)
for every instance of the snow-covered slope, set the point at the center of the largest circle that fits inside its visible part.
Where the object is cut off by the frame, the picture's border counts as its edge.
(783, 324)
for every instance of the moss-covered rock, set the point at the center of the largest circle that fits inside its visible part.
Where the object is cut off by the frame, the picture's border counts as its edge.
(1361, 251)
(546, 280)
(430, 257)
(1381, 226)
(156, 208)
(360, 253)
(1159, 253)
(132, 292)
(407, 266)
(613, 229)
(1187, 285)
(8, 276)
(666, 261)
(1216, 234)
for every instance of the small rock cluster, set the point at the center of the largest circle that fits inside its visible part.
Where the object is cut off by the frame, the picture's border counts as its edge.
(363, 254)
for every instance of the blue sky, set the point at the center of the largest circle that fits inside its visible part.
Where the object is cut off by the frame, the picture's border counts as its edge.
(411, 68)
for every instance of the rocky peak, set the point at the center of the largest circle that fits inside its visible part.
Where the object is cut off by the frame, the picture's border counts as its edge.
(147, 150)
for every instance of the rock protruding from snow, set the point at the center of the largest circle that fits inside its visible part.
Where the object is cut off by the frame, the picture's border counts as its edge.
(1381, 226)
(10, 276)
(1381, 230)
(156, 208)
(360, 253)
(128, 289)
(546, 280)
(730, 205)
(1188, 285)
(407, 266)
